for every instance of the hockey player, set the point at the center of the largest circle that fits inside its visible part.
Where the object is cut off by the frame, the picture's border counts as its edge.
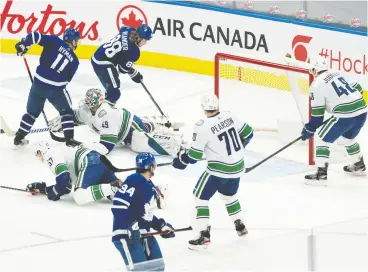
(222, 138)
(58, 64)
(133, 207)
(117, 126)
(119, 55)
(331, 92)
(79, 166)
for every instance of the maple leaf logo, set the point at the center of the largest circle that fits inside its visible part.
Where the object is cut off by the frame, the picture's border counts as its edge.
(131, 20)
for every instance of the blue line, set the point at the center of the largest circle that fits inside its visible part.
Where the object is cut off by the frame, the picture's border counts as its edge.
(263, 16)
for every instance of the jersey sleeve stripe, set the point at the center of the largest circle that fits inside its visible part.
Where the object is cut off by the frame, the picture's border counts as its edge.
(124, 202)
(195, 154)
(350, 107)
(318, 111)
(246, 131)
(109, 138)
(61, 168)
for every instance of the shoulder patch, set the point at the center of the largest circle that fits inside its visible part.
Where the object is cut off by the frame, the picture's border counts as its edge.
(200, 122)
(102, 113)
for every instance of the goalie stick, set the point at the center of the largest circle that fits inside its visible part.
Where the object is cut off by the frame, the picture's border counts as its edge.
(163, 232)
(109, 165)
(53, 136)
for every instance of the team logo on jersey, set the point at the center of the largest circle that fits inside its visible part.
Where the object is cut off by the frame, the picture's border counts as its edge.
(200, 122)
(131, 16)
(102, 113)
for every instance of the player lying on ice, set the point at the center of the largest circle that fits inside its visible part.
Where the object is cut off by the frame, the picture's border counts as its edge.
(119, 126)
(331, 92)
(133, 207)
(79, 166)
(222, 138)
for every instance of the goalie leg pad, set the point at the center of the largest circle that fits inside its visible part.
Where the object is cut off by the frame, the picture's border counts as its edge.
(158, 144)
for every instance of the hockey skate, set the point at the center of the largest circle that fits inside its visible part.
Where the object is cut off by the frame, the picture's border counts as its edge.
(19, 139)
(356, 169)
(319, 178)
(240, 228)
(202, 241)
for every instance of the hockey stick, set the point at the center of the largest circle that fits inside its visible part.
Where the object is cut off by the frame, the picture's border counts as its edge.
(247, 170)
(109, 165)
(168, 124)
(15, 189)
(163, 232)
(53, 136)
(9, 132)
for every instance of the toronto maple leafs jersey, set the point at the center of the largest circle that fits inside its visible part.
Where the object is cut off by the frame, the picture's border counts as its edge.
(111, 123)
(133, 203)
(67, 161)
(220, 138)
(120, 51)
(331, 92)
(58, 62)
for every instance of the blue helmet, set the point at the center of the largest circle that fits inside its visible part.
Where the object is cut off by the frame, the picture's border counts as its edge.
(71, 34)
(145, 160)
(144, 32)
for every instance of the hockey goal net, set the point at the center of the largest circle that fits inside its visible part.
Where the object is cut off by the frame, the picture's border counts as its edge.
(270, 96)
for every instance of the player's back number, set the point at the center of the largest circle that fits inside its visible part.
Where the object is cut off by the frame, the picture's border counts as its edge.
(113, 46)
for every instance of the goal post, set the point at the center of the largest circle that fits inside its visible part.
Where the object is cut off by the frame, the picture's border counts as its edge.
(263, 75)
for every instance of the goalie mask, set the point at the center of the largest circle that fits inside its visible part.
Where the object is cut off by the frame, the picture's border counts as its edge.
(94, 98)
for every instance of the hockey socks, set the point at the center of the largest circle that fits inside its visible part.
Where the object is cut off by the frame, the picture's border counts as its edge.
(26, 123)
(67, 124)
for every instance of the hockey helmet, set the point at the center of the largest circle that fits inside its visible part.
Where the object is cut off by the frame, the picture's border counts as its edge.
(41, 148)
(71, 34)
(318, 64)
(145, 161)
(144, 32)
(210, 102)
(94, 98)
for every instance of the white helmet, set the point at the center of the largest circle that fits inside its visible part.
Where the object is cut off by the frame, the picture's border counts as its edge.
(319, 63)
(41, 147)
(210, 102)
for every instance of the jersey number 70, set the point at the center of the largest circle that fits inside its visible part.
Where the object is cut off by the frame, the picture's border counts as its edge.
(234, 139)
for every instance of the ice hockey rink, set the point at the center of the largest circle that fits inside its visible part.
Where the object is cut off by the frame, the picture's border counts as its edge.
(292, 227)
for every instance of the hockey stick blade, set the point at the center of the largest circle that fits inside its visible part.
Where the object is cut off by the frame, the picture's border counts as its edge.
(247, 170)
(9, 132)
(164, 232)
(110, 166)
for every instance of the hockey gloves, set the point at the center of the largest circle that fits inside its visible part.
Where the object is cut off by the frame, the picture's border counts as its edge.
(136, 76)
(168, 228)
(36, 188)
(181, 161)
(307, 132)
(21, 48)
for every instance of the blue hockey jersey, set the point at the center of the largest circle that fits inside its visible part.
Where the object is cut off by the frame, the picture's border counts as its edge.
(134, 202)
(120, 51)
(58, 62)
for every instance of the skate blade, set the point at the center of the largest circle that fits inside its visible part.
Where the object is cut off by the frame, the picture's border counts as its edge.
(24, 143)
(312, 182)
(198, 247)
(357, 174)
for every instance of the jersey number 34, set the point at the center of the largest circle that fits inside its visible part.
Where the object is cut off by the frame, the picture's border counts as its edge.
(234, 139)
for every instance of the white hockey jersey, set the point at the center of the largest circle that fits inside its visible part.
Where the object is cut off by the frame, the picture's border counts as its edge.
(64, 160)
(332, 93)
(220, 138)
(112, 124)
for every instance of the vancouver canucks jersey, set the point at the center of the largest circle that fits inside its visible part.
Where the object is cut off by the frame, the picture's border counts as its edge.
(220, 138)
(331, 92)
(112, 124)
(69, 160)
(58, 62)
(133, 203)
(120, 51)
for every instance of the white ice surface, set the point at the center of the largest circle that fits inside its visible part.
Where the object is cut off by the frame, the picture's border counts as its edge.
(279, 210)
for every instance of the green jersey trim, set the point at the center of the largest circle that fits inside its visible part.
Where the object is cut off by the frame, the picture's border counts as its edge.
(113, 139)
(61, 168)
(124, 125)
(79, 155)
(350, 107)
(245, 131)
(225, 168)
(318, 111)
(195, 154)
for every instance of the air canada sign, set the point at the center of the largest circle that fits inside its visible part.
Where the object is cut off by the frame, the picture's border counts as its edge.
(211, 33)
